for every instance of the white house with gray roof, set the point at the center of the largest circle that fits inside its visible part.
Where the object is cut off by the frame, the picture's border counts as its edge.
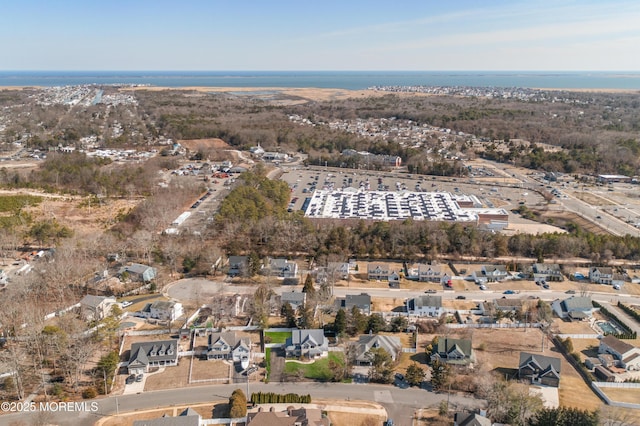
(96, 308)
(283, 268)
(575, 308)
(164, 310)
(307, 343)
(426, 305)
(228, 346)
(144, 355)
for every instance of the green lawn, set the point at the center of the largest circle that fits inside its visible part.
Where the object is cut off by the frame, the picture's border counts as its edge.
(276, 336)
(319, 370)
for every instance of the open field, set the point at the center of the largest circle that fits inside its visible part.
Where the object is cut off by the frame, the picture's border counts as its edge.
(354, 419)
(502, 352)
(171, 377)
(209, 369)
(631, 395)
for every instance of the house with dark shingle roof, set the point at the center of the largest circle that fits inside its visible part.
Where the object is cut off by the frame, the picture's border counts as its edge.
(377, 271)
(362, 301)
(627, 356)
(453, 351)
(547, 272)
(574, 308)
(540, 369)
(307, 343)
(160, 353)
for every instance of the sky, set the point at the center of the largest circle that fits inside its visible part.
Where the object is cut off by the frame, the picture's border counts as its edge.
(420, 35)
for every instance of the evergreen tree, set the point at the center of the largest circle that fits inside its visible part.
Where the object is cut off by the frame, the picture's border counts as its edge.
(305, 314)
(440, 374)
(308, 287)
(381, 365)
(340, 322)
(415, 375)
(288, 314)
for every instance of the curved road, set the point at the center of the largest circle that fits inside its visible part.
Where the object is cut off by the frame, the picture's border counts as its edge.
(399, 403)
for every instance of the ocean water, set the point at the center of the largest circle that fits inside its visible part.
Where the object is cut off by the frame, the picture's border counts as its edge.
(354, 80)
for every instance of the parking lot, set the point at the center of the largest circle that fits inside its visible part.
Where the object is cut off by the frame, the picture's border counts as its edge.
(497, 193)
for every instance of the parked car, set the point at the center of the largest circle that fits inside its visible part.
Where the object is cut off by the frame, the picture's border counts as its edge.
(461, 297)
(616, 287)
(570, 292)
(483, 287)
(126, 303)
(139, 377)
(130, 379)
(389, 423)
(508, 292)
(431, 291)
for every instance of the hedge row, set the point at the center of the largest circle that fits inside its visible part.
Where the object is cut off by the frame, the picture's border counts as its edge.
(631, 312)
(277, 398)
(628, 334)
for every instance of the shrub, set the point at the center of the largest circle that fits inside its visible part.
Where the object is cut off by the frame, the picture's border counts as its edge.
(89, 393)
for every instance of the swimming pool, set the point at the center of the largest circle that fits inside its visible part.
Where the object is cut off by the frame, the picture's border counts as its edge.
(608, 327)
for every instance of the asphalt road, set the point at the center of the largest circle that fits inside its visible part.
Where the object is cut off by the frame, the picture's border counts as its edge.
(400, 403)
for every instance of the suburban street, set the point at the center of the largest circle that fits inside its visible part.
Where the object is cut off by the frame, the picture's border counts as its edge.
(400, 403)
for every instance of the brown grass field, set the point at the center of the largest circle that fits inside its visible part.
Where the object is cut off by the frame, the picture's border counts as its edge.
(502, 351)
(623, 394)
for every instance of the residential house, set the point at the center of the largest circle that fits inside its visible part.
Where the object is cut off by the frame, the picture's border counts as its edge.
(394, 280)
(293, 298)
(307, 343)
(429, 273)
(540, 369)
(164, 310)
(466, 418)
(366, 342)
(188, 417)
(426, 305)
(138, 272)
(626, 355)
(96, 308)
(601, 275)
(283, 268)
(292, 417)
(507, 305)
(494, 272)
(238, 266)
(453, 351)
(573, 308)
(228, 346)
(144, 355)
(547, 272)
(362, 301)
(340, 270)
(377, 271)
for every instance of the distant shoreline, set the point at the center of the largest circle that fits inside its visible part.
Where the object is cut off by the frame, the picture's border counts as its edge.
(323, 93)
